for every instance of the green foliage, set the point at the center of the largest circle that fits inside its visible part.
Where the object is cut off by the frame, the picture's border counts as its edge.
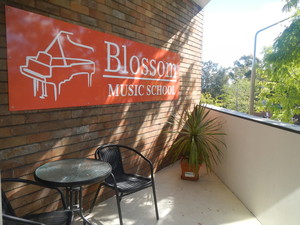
(236, 95)
(233, 92)
(290, 5)
(278, 76)
(208, 99)
(213, 79)
(198, 140)
(280, 85)
(242, 68)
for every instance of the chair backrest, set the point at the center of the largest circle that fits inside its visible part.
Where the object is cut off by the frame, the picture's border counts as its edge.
(6, 206)
(112, 155)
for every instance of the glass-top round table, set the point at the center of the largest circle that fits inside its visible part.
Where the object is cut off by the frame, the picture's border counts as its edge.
(73, 174)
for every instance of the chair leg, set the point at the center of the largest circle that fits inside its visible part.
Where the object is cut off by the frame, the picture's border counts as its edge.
(95, 198)
(155, 201)
(118, 198)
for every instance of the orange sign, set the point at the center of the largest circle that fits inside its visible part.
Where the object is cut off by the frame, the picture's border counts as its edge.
(54, 64)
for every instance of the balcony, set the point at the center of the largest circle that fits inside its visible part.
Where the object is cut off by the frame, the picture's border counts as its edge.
(258, 182)
(206, 202)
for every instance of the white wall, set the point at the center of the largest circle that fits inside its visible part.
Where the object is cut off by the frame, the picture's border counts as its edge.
(261, 166)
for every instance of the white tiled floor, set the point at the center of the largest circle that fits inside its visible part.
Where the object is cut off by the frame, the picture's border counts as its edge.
(204, 202)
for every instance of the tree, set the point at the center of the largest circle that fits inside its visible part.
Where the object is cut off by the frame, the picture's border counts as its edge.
(213, 79)
(280, 85)
(236, 95)
(290, 5)
(242, 67)
(230, 87)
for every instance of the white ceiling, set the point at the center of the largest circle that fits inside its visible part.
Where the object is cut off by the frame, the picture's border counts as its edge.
(202, 3)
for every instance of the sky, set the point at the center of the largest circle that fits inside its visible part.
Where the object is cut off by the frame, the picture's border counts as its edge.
(230, 26)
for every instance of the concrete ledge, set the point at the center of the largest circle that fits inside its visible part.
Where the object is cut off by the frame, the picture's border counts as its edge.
(269, 122)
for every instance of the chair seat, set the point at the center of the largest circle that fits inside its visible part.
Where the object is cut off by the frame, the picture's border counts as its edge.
(124, 183)
(52, 218)
(128, 183)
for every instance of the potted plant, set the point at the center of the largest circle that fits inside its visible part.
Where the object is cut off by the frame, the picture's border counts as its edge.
(198, 141)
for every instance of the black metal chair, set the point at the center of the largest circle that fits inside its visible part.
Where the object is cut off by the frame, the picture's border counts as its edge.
(123, 183)
(64, 217)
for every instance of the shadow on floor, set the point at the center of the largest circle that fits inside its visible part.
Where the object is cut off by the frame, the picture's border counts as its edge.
(204, 202)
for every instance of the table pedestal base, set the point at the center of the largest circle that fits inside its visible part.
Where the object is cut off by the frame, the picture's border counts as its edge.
(74, 202)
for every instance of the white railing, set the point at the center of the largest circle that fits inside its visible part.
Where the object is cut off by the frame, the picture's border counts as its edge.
(261, 166)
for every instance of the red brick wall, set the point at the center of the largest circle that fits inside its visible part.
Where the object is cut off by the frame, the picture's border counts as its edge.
(29, 139)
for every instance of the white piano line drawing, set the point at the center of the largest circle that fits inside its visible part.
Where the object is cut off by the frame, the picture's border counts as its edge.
(46, 69)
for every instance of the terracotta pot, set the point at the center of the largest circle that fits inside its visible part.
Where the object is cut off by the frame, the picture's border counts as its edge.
(188, 172)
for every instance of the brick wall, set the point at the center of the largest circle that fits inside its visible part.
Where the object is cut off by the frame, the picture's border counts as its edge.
(29, 139)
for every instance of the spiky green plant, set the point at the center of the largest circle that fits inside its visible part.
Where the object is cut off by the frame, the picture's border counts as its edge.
(199, 139)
